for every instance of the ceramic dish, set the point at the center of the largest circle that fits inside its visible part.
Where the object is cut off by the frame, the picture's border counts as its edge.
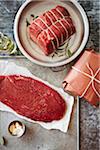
(31, 50)
(16, 128)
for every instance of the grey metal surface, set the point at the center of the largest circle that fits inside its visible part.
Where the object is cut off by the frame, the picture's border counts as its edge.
(89, 116)
(36, 137)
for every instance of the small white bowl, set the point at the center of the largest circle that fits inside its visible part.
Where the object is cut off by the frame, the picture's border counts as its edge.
(16, 128)
(31, 50)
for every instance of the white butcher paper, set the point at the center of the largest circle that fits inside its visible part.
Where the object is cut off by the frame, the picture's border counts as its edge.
(10, 68)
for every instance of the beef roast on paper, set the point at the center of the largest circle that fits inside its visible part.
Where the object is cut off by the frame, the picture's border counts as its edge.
(18, 83)
(51, 29)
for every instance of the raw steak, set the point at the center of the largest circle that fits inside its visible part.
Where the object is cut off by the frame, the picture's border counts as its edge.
(51, 29)
(31, 98)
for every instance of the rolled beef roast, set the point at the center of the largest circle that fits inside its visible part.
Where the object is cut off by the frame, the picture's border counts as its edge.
(51, 29)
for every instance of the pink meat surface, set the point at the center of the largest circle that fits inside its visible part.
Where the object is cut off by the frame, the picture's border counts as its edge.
(51, 29)
(31, 98)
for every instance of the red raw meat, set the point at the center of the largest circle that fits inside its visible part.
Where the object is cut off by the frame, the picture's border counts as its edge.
(51, 29)
(31, 98)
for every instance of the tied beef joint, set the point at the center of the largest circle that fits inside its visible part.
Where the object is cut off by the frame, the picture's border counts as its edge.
(31, 98)
(51, 29)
